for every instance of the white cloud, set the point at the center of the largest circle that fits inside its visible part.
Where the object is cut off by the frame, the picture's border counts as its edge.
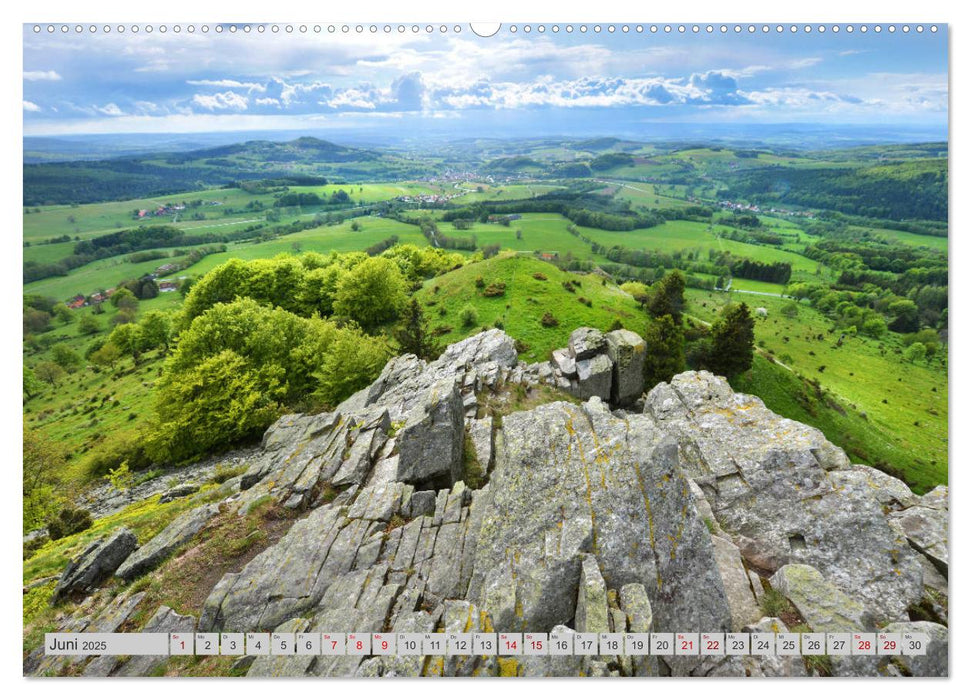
(712, 87)
(354, 98)
(111, 110)
(30, 106)
(33, 75)
(798, 98)
(222, 100)
(227, 83)
(805, 62)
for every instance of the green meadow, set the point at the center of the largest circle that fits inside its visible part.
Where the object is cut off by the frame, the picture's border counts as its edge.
(525, 301)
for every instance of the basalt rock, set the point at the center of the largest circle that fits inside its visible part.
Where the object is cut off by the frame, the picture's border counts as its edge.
(587, 518)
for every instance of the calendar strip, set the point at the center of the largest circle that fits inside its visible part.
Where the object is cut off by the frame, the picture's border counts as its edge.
(487, 644)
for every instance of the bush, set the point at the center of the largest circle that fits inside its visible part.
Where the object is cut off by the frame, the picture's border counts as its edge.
(68, 522)
(217, 402)
(468, 316)
(549, 321)
(112, 453)
(496, 289)
(875, 326)
(371, 293)
(353, 361)
(540, 276)
(224, 473)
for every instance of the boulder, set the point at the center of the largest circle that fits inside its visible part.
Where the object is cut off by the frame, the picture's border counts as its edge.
(626, 351)
(591, 612)
(564, 362)
(178, 492)
(421, 503)
(160, 547)
(96, 563)
(926, 531)
(480, 435)
(934, 662)
(586, 342)
(431, 441)
(822, 605)
(594, 378)
(738, 588)
(592, 519)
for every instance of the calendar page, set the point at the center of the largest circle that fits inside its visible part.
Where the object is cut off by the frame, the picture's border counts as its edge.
(433, 349)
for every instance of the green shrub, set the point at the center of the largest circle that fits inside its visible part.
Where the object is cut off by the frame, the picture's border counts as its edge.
(122, 447)
(68, 522)
(468, 316)
(353, 361)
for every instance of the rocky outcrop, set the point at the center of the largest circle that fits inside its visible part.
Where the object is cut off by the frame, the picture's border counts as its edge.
(742, 601)
(609, 366)
(822, 605)
(160, 547)
(627, 351)
(96, 563)
(584, 518)
(925, 527)
(785, 494)
(430, 442)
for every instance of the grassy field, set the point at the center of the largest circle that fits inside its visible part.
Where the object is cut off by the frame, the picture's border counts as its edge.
(86, 409)
(907, 403)
(641, 195)
(90, 220)
(501, 192)
(526, 300)
(738, 284)
(541, 232)
(691, 235)
(375, 191)
(914, 239)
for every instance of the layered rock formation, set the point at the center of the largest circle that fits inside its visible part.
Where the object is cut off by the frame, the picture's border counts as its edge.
(676, 517)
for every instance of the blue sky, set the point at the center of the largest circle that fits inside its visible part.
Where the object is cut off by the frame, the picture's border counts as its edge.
(181, 83)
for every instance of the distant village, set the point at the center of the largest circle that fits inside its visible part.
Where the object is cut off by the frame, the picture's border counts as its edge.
(756, 209)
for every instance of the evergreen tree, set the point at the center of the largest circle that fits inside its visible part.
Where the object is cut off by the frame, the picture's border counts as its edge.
(665, 351)
(732, 340)
(413, 335)
(667, 297)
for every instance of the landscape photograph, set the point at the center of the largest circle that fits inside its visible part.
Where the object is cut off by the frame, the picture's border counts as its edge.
(562, 350)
